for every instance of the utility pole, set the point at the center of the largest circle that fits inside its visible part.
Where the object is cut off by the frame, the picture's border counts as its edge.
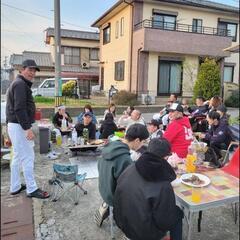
(57, 40)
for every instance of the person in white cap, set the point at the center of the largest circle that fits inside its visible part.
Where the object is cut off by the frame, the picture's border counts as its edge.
(20, 113)
(60, 115)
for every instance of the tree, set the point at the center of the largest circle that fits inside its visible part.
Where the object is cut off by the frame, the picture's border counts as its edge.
(208, 83)
(68, 88)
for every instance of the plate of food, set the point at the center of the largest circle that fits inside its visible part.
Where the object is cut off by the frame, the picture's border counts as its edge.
(97, 142)
(195, 180)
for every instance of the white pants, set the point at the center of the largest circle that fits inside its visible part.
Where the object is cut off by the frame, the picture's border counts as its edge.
(23, 157)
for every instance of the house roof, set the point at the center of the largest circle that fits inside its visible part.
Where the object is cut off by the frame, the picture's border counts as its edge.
(69, 68)
(194, 3)
(42, 59)
(67, 33)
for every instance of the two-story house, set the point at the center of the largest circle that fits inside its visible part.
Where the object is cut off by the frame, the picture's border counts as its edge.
(79, 57)
(156, 46)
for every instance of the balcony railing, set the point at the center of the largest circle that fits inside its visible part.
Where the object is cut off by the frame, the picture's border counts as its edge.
(169, 26)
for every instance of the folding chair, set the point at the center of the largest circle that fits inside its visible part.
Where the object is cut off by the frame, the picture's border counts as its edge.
(63, 176)
(226, 153)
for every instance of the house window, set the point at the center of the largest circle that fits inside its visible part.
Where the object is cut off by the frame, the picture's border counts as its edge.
(117, 29)
(228, 29)
(106, 34)
(197, 25)
(228, 73)
(119, 70)
(71, 56)
(122, 27)
(163, 21)
(94, 54)
(169, 77)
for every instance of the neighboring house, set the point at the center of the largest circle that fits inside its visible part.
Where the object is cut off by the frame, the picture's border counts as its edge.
(43, 60)
(79, 54)
(156, 46)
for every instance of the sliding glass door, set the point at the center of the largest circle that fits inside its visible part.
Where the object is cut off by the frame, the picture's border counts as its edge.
(169, 77)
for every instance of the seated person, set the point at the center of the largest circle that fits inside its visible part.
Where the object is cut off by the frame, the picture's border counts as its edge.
(198, 116)
(87, 108)
(179, 131)
(214, 103)
(128, 111)
(154, 129)
(108, 126)
(87, 123)
(186, 107)
(115, 158)
(134, 118)
(222, 110)
(111, 109)
(60, 115)
(218, 136)
(144, 201)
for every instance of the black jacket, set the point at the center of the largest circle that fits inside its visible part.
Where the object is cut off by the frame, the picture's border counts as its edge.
(91, 130)
(57, 119)
(144, 201)
(20, 106)
(107, 128)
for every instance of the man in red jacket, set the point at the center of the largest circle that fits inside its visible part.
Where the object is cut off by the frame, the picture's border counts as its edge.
(179, 131)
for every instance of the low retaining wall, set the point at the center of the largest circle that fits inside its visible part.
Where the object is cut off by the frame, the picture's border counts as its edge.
(49, 112)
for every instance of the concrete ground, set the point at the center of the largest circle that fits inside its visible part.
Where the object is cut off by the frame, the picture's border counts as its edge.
(65, 221)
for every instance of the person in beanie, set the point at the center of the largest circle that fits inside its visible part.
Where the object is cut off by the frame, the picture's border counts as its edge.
(20, 113)
(144, 205)
(115, 158)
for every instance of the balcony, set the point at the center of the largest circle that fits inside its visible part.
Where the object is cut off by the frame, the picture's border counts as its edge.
(179, 38)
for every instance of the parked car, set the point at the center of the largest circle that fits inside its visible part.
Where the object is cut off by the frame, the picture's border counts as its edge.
(47, 87)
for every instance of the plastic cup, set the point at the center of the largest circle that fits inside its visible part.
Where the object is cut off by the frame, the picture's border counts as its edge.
(196, 195)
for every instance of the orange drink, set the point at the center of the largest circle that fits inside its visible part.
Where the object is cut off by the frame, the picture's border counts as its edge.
(196, 195)
(190, 160)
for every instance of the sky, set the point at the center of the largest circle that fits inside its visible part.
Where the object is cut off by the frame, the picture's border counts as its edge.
(23, 21)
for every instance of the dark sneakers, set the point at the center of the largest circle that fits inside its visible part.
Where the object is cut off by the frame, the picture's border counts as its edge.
(22, 188)
(39, 194)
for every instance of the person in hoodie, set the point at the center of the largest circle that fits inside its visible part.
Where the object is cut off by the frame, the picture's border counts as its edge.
(108, 126)
(179, 131)
(219, 135)
(115, 158)
(144, 202)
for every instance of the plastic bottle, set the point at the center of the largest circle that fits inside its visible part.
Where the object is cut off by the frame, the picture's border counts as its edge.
(85, 135)
(64, 124)
(74, 136)
(59, 139)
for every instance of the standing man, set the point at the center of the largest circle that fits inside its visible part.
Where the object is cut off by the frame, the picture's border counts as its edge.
(20, 113)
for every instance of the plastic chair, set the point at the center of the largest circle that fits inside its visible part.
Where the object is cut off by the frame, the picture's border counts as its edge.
(233, 166)
(63, 175)
(233, 169)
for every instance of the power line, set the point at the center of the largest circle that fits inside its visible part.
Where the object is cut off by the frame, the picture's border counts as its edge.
(42, 16)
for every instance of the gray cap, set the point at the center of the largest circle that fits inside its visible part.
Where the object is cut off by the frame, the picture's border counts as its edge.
(30, 64)
(222, 108)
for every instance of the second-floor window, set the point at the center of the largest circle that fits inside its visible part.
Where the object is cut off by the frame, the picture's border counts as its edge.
(71, 55)
(94, 54)
(119, 70)
(197, 25)
(167, 22)
(228, 29)
(122, 27)
(106, 34)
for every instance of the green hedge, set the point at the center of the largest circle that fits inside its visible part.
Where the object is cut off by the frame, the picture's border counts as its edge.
(40, 99)
(233, 100)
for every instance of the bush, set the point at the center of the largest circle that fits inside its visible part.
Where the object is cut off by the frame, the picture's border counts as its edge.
(208, 83)
(40, 99)
(233, 100)
(68, 88)
(125, 98)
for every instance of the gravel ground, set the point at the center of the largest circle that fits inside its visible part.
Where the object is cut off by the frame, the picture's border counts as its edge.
(63, 220)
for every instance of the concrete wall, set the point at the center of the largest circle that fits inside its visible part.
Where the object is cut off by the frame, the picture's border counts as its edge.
(118, 49)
